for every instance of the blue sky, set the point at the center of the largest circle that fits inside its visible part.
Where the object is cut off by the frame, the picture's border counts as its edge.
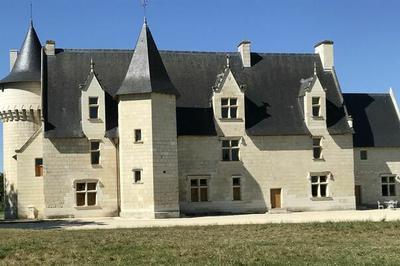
(366, 32)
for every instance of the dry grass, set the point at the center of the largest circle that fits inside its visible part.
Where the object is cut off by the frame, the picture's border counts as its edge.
(289, 244)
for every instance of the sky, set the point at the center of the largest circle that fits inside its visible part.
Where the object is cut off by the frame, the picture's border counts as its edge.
(365, 32)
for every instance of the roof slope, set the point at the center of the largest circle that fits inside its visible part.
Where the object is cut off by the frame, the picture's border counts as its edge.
(146, 72)
(27, 67)
(375, 120)
(272, 102)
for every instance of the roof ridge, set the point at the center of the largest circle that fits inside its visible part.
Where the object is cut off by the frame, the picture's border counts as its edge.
(369, 93)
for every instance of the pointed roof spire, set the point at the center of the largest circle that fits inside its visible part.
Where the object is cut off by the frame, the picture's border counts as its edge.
(146, 72)
(27, 67)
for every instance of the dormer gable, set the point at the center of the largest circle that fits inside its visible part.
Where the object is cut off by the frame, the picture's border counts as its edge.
(228, 103)
(313, 96)
(93, 106)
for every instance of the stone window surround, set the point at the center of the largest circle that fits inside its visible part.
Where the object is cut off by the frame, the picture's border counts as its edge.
(87, 180)
(189, 190)
(230, 139)
(329, 178)
(388, 183)
(140, 182)
(320, 146)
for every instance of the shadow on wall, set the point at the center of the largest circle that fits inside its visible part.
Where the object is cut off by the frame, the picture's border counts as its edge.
(46, 225)
(11, 201)
(71, 145)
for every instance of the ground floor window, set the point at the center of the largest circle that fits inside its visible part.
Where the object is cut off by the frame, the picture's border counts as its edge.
(86, 193)
(236, 188)
(319, 186)
(198, 189)
(388, 185)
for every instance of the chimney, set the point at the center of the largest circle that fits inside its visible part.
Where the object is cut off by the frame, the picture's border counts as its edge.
(13, 58)
(325, 51)
(245, 53)
(50, 47)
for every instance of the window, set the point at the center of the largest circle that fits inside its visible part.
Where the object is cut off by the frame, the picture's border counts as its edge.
(95, 151)
(138, 135)
(317, 147)
(229, 107)
(199, 189)
(137, 176)
(230, 150)
(86, 193)
(316, 106)
(319, 186)
(236, 188)
(38, 167)
(388, 185)
(363, 155)
(93, 107)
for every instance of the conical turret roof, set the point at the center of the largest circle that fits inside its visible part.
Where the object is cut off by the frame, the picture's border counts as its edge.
(146, 72)
(28, 64)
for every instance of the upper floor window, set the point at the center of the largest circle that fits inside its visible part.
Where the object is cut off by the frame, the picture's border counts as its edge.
(38, 167)
(95, 152)
(229, 108)
(388, 185)
(363, 155)
(319, 186)
(316, 106)
(138, 135)
(230, 150)
(93, 107)
(317, 147)
(86, 193)
(137, 176)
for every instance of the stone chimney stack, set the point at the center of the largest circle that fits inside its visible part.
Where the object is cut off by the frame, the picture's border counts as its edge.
(325, 51)
(245, 53)
(13, 58)
(50, 47)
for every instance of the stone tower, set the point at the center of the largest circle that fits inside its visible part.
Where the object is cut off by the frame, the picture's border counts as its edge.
(20, 111)
(148, 160)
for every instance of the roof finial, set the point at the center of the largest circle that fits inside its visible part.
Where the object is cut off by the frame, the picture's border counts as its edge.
(228, 61)
(315, 68)
(92, 64)
(145, 4)
(31, 13)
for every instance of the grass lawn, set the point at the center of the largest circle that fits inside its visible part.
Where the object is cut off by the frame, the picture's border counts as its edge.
(293, 244)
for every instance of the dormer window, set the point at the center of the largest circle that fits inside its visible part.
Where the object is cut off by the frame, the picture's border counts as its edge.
(316, 106)
(229, 108)
(93, 107)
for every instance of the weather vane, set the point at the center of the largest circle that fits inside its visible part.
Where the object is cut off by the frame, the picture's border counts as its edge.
(31, 5)
(145, 3)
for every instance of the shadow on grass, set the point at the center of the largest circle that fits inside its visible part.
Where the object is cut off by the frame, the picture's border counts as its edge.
(46, 224)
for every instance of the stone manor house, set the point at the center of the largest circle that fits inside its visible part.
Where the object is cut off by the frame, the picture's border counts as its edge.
(149, 133)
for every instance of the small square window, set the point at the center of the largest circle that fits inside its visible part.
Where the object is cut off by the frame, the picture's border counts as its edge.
(38, 167)
(363, 155)
(137, 176)
(138, 135)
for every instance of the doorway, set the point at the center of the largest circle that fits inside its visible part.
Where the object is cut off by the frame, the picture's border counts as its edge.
(276, 198)
(357, 193)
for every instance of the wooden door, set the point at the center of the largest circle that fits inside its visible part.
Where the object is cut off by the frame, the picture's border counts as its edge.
(276, 198)
(357, 193)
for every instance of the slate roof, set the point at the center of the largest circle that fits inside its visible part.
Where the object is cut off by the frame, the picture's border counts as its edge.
(27, 67)
(375, 120)
(272, 90)
(146, 72)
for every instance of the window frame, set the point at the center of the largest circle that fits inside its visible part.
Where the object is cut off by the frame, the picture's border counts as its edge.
(318, 183)
(388, 185)
(86, 191)
(38, 167)
(92, 105)
(320, 147)
(229, 107)
(363, 155)
(230, 148)
(198, 188)
(237, 186)
(93, 151)
(318, 105)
